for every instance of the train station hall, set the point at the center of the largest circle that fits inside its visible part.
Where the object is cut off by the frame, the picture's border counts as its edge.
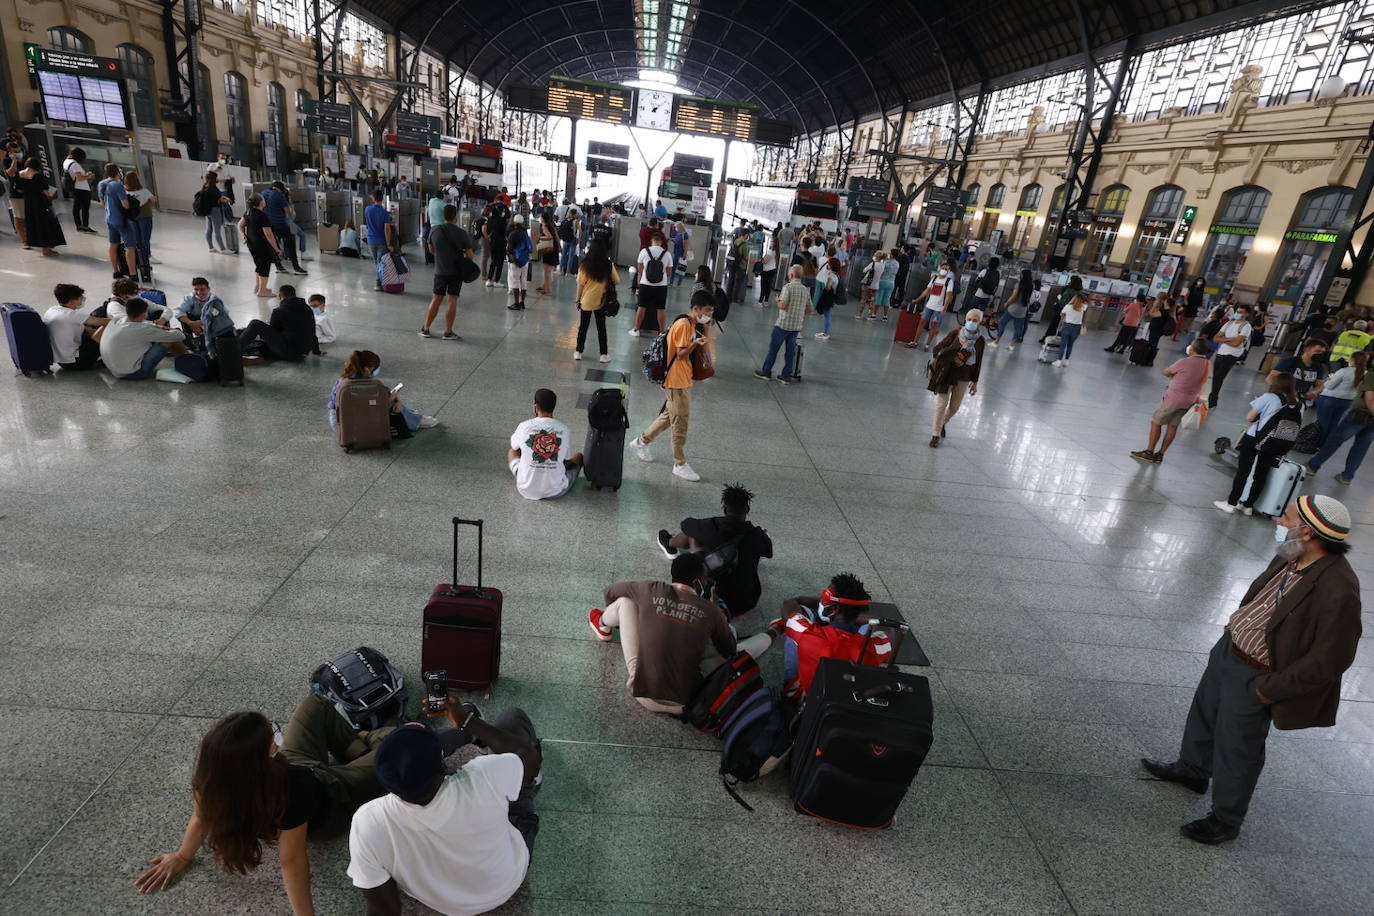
(648, 457)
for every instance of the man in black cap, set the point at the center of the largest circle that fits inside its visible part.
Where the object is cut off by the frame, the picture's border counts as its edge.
(459, 843)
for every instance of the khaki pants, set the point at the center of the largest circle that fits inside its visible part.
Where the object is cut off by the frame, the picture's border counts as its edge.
(676, 413)
(315, 733)
(947, 405)
(623, 614)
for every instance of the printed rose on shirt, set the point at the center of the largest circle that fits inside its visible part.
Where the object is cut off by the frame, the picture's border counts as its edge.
(544, 446)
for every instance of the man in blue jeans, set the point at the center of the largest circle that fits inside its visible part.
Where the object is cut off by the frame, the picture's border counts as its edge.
(277, 206)
(1356, 424)
(121, 230)
(794, 304)
(132, 347)
(380, 231)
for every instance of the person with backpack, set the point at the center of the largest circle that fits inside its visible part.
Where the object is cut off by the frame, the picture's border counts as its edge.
(255, 786)
(1231, 339)
(823, 301)
(669, 632)
(77, 182)
(679, 236)
(141, 201)
(1353, 424)
(209, 204)
(731, 545)
(596, 276)
(833, 624)
(680, 345)
(519, 249)
(1274, 419)
(655, 270)
(938, 294)
(985, 287)
(569, 229)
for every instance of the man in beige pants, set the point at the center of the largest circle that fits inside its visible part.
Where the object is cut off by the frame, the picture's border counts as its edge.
(669, 635)
(683, 337)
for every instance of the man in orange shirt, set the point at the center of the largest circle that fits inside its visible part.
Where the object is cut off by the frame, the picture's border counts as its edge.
(684, 336)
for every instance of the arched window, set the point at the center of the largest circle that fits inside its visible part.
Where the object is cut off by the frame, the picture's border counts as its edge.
(972, 195)
(1324, 209)
(1115, 198)
(996, 194)
(1244, 206)
(1165, 202)
(302, 135)
(61, 38)
(1057, 205)
(276, 111)
(1030, 197)
(138, 70)
(236, 114)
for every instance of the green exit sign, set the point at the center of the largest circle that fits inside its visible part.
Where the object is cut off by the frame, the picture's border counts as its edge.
(1189, 214)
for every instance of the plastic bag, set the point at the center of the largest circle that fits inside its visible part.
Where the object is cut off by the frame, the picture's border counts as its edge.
(1195, 417)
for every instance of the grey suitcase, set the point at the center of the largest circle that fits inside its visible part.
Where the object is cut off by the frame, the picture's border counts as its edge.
(364, 414)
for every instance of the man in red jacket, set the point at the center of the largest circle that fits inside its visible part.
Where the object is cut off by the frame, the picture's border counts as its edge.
(832, 625)
(1280, 659)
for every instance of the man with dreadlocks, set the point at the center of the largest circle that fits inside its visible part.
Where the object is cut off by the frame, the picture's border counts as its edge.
(833, 624)
(731, 545)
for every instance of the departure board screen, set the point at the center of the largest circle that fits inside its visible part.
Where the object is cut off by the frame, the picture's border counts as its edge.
(713, 118)
(590, 101)
(83, 99)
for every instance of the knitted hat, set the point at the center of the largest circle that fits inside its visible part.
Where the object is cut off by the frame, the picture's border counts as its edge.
(408, 760)
(1325, 515)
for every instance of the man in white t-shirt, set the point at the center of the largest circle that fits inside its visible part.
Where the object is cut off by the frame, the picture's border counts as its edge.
(541, 455)
(1232, 340)
(937, 295)
(75, 335)
(132, 347)
(459, 844)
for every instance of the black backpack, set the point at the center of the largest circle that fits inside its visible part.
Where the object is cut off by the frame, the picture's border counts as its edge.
(1281, 432)
(653, 270)
(606, 412)
(363, 686)
(724, 560)
(722, 310)
(565, 231)
(991, 280)
(201, 204)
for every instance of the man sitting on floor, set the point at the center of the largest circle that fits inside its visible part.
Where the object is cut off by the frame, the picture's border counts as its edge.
(670, 635)
(737, 578)
(541, 455)
(121, 291)
(289, 334)
(459, 843)
(132, 347)
(204, 316)
(830, 625)
(75, 337)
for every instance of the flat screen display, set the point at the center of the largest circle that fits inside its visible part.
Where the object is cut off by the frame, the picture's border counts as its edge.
(590, 101)
(83, 99)
(692, 115)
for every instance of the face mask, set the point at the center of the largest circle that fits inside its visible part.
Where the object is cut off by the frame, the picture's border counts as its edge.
(1281, 534)
(970, 326)
(1289, 548)
(317, 312)
(943, 274)
(703, 319)
(376, 372)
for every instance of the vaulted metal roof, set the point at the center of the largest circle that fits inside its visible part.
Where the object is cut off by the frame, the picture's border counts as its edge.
(814, 64)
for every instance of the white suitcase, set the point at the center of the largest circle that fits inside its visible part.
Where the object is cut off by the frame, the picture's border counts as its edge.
(1049, 351)
(1281, 488)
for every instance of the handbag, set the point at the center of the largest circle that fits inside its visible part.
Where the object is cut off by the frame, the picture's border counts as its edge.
(544, 247)
(703, 367)
(1195, 417)
(610, 302)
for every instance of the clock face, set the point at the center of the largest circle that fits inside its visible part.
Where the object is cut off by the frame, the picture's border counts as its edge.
(654, 109)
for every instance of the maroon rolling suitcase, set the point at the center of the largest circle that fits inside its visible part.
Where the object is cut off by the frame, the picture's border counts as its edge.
(462, 627)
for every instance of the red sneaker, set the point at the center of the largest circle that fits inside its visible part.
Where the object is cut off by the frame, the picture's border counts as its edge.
(777, 627)
(602, 633)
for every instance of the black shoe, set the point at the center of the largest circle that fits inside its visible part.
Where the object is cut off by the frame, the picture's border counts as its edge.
(1209, 830)
(1172, 772)
(663, 538)
(942, 431)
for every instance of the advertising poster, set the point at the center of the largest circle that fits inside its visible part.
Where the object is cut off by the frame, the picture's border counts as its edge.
(1166, 274)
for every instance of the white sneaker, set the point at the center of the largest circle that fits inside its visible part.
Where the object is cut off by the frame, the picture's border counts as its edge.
(685, 472)
(168, 374)
(605, 358)
(822, 336)
(632, 332)
(577, 354)
(1246, 511)
(1224, 506)
(428, 422)
(641, 449)
(1058, 364)
(993, 344)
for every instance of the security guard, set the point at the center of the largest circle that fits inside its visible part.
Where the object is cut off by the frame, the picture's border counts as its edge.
(1349, 343)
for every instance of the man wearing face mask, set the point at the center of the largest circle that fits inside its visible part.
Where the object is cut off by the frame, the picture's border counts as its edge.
(670, 635)
(942, 290)
(1279, 660)
(687, 333)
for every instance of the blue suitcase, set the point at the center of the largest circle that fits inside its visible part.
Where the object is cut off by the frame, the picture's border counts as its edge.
(30, 345)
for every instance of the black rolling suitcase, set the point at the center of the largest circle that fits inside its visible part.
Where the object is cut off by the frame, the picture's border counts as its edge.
(1142, 354)
(228, 360)
(603, 456)
(862, 734)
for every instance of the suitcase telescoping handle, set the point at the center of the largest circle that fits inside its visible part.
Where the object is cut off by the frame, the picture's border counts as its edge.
(476, 523)
(897, 627)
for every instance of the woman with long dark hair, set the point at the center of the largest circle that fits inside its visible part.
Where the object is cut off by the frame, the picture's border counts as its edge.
(547, 249)
(44, 231)
(1016, 311)
(594, 275)
(255, 786)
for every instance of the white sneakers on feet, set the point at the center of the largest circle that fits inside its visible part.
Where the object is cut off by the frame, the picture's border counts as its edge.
(641, 449)
(577, 354)
(993, 344)
(428, 422)
(632, 332)
(822, 336)
(605, 358)
(685, 472)
(1224, 506)
(1059, 364)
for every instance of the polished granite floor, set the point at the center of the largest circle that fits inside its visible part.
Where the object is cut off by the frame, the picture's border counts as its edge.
(173, 553)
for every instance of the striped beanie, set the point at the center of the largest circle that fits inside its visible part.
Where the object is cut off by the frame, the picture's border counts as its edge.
(1326, 516)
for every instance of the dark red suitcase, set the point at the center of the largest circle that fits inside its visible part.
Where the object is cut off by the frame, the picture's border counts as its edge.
(906, 326)
(462, 627)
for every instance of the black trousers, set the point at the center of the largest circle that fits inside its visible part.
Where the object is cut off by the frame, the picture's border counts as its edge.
(1262, 465)
(87, 355)
(276, 342)
(498, 257)
(1124, 336)
(81, 208)
(1221, 367)
(287, 238)
(766, 284)
(584, 319)
(1226, 731)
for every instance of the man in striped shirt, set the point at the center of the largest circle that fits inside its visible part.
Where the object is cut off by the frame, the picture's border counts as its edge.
(794, 304)
(1280, 660)
(832, 625)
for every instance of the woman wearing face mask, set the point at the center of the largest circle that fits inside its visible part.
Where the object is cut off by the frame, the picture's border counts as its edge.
(1282, 393)
(255, 786)
(366, 364)
(954, 369)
